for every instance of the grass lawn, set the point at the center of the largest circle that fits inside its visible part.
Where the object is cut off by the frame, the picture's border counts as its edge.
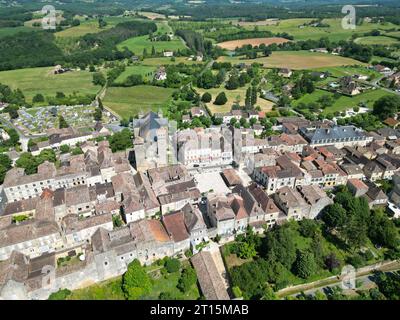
(42, 80)
(168, 283)
(380, 40)
(232, 95)
(334, 32)
(344, 102)
(296, 60)
(130, 101)
(145, 71)
(107, 290)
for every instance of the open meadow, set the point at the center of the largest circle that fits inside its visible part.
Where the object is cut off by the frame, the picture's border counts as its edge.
(43, 80)
(130, 101)
(231, 45)
(296, 60)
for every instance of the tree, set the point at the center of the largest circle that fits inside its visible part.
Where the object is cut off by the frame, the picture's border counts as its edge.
(187, 280)
(221, 99)
(135, 282)
(153, 51)
(120, 141)
(382, 230)
(5, 161)
(134, 80)
(332, 262)
(46, 155)
(97, 115)
(61, 294)
(206, 97)
(206, 80)
(389, 284)
(279, 245)
(64, 148)
(246, 250)
(308, 228)
(268, 293)
(334, 216)
(172, 265)
(28, 162)
(62, 122)
(13, 112)
(100, 104)
(76, 151)
(253, 97)
(38, 98)
(386, 106)
(305, 264)
(3, 172)
(232, 83)
(98, 79)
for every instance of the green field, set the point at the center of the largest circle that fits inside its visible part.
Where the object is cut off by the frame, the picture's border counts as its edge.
(138, 44)
(344, 102)
(155, 62)
(4, 32)
(130, 101)
(145, 71)
(349, 71)
(334, 32)
(91, 26)
(42, 80)
(380, 40)
(296, 60)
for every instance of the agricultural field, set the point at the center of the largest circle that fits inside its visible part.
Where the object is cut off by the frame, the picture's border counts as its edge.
(138, 44)
(296, 60)
(344, 102)
(42, 80)
(233, 96)
(334, 32)
(130, 101)
(152, 15)
(145, 71)
(155, 62)
(231, 45)
(379, 40)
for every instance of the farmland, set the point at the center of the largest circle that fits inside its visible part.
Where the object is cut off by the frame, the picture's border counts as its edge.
(231, 45)
(138, 44)
(344, 102)
(128, 102)
(296, 60)
(42, 80)
(380, 40)
(145, 71)
(299, 29)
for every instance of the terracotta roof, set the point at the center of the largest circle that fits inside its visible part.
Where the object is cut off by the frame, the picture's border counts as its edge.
(175, 226)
